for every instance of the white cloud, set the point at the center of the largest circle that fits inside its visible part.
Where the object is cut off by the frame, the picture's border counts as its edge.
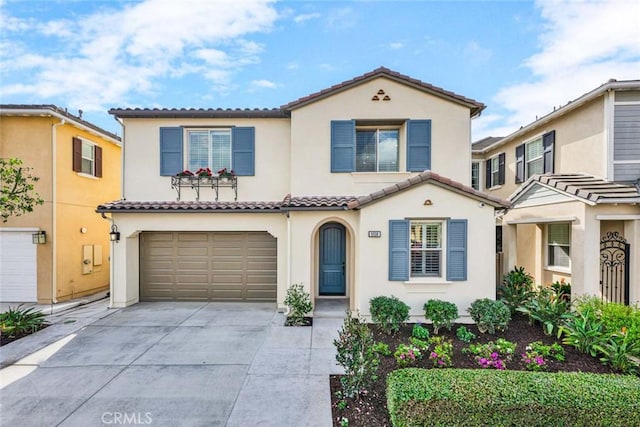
(582, 45)
(293, 65)
(476, 54)
(305, 17)
(396, 45)
(263, 84)
(341, 18)
(107, 56)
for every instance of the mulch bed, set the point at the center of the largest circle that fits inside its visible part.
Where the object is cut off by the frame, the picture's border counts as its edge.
(5, 339)
(308, 321)
(371, 409)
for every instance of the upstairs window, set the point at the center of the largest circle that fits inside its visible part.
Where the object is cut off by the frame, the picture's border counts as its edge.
(209, 149)
(377, 150)
(533, 157)
(475, 175)
(87, 157)
(495, 171)
(426, 249)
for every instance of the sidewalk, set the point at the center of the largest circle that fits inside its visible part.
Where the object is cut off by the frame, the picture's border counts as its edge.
(55, 308)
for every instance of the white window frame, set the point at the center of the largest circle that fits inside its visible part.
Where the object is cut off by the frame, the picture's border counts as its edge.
(495, 170)
(478, 185)
(528, 161)
(92, 159)
(548, 245)
(441, 249)
(377, 130)
(210, 150)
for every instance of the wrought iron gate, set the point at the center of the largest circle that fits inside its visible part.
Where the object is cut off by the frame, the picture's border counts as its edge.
(614, 268)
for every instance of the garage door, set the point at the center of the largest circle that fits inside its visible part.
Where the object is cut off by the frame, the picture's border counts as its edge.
(208, 266)
(18, 277)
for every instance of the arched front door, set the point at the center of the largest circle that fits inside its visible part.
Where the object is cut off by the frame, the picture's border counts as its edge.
(332, 259)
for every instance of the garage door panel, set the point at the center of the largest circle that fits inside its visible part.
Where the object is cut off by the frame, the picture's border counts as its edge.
(211, 266)
(18, 267)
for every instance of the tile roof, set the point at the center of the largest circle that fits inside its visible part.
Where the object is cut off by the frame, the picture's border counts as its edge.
(38, 109)
(483, 143)
(434, 178)
(475, 106)
(331, 202)
(188, 206)
(588, 188)
(207, 113)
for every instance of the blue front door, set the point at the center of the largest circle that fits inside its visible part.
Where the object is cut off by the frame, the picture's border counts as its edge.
(332, 259)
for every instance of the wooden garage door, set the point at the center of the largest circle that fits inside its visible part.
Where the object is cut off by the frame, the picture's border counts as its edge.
(208, 266)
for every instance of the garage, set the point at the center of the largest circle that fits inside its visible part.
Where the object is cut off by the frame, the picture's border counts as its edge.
(208, 266)
(18, 271)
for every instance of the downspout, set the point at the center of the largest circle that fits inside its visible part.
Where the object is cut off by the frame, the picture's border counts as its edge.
(288, 249)
(54, 210)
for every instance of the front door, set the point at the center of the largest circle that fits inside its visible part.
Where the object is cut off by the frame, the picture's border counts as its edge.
(332, 259)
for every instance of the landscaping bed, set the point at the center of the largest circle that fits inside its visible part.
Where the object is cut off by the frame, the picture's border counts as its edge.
(371, 408)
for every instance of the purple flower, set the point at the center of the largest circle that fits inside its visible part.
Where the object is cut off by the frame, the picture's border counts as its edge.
(433, 355)
(494, 355)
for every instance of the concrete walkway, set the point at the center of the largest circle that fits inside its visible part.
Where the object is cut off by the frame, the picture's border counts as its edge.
(173, 364)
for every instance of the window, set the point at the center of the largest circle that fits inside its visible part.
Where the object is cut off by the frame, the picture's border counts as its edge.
(475, 175)
(533, 156)
(495, 171)
(426, 249)
(209, 149)
(376, 150)
(558, 244)
(87, 157)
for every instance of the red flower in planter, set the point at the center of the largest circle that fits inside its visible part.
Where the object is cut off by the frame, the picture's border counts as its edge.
(203, 172)
(185, 172)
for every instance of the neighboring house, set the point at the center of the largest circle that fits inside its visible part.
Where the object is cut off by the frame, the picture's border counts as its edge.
(343, 191)
(79, 167)
(572, 177)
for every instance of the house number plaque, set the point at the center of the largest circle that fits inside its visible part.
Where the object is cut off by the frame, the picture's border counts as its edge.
(375, 233)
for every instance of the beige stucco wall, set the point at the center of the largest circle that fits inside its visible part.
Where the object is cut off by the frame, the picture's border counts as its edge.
(373, 256)
(311, 137)
(579, 145)
(142, 160)
(126, 256)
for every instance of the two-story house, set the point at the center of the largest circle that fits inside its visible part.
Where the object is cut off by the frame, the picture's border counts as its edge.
(355, 191)
(60, 250)
(572, 177)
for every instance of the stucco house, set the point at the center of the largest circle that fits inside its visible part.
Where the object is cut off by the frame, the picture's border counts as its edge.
(572, 177)
(355, 191)
(60, 250)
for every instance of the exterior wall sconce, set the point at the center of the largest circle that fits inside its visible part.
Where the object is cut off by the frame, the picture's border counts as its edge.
(39, 238)
(114, 235)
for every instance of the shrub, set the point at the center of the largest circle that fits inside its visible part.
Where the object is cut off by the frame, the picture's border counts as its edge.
(548, 309)
(562, 289)
(421, 344)
(441, 314)
(489, 315)
(389, 312)
(355, 354)
(583, 330)
(299, 302)
(536, 352)
(19, 321)
(420, 332)
(465, 335)
(441, 353)
(382, 348)
(619, 351)
(406, 355)
(445, 397)
(492, 354)
(517, 288)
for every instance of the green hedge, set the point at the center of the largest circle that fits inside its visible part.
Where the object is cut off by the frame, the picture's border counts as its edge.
(471, 397)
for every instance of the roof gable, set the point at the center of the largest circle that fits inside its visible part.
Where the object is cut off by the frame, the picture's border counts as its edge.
(474, 106)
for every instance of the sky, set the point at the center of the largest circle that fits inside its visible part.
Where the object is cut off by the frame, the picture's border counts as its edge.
(520, 58)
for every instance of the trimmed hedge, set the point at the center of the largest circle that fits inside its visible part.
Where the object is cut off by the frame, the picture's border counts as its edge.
(470, 397)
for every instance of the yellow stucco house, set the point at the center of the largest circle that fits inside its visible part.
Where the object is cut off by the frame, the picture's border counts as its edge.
(79, 167)
(355, 191)
(573, 178)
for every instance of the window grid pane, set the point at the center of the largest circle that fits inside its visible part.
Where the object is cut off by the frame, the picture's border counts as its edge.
(198, 151)
(558, 245)
(220, 150)
(475, 175)
(88, 153)
(388, 151)
(366, 151)
(535, 163)
(426, 249)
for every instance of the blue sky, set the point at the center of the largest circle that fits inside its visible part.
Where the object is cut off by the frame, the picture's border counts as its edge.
(520, 58)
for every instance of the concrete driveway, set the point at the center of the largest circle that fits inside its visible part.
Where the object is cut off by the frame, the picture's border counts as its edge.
(191, 364)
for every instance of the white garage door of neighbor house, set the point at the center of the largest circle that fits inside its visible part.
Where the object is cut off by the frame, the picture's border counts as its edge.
(18, 271)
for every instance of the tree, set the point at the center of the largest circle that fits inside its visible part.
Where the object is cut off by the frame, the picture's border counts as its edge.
(16, 189)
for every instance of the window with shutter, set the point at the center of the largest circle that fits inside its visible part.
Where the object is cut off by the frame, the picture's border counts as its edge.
(418, 145)
(87, 157)
(376, 150)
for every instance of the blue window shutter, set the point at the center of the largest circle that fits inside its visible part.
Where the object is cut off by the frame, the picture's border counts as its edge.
(520, 163)
(171, 147)
(243, 142)
(343, 145)
(457, 249)
(501, 168)
(487, 175)
(418, 145)
(398, 250)
(548, 143)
